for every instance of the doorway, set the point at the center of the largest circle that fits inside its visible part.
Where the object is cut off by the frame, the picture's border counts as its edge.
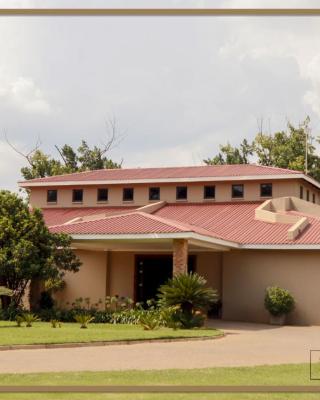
(152, 271)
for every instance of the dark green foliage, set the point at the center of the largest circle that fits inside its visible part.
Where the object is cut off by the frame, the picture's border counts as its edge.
(190, 296)
(46, 301)
(82, 159)
(283, 149)
(27, 249)
(278, 301)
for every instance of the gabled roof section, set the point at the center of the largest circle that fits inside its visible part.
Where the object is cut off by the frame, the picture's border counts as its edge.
(236, 222)
(59, 216)
(131, 223)
(234, 225)
(167, 174)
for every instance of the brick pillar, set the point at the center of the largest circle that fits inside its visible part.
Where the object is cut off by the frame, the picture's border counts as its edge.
(180, 256)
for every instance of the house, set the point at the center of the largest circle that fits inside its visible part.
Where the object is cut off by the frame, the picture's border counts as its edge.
(243, 227)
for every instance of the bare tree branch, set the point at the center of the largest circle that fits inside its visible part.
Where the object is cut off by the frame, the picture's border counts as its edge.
(28, 155)
(114, 137)
(61, 154)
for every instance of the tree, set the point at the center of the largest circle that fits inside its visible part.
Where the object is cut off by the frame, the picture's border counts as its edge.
(84, 158)
(232, 155)
(27, 249)
(283, 149)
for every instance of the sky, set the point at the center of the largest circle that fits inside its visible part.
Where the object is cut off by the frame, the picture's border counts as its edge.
(178, 87)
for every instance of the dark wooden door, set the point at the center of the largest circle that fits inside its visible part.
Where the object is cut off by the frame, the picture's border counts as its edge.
(152, 271)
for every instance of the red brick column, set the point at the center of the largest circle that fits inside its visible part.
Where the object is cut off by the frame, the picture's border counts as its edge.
(180, 256)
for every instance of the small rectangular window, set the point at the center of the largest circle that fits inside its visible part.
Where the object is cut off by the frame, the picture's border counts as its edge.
(209, 192)
(77, 195)
(308, 195)
(102, 194)
(52, 196)
(181, 193)
(313, 198)
(266, 190)
(154, 193)
(237, 191)
(127, 194)
(301, 192)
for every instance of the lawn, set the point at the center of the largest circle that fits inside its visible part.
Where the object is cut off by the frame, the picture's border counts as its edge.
(42, 332)
(263, 375)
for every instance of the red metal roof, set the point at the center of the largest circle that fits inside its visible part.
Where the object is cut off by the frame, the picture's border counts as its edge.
(212, 171)
(234, 222)
(57, 216)
(122, 224)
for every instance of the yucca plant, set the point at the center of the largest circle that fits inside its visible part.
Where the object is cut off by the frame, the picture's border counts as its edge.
(189, 294)
(19, 320)
(149, 321)
(83, 320)
(29, 319)
(55, 323)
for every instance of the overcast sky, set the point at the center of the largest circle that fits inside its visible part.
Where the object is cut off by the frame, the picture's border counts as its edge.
(179, 87)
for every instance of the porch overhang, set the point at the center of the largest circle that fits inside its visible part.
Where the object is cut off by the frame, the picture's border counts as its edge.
(149, 242)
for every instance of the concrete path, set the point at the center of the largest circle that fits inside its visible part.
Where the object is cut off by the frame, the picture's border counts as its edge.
(244, 345)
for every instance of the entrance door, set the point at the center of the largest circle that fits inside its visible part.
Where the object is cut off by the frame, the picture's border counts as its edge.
(152, 271)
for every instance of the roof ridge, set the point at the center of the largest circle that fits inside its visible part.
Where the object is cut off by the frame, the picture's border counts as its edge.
(210, 168)
(270, 166)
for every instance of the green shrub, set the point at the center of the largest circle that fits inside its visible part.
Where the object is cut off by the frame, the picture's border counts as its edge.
(149, 321)
(278, 301)
(10, 313)
(29, 319)
(83, 320)
(191, 298)
(19, 320)
(55, 323)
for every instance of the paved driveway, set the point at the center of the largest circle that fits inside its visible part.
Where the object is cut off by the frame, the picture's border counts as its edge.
(244, 345)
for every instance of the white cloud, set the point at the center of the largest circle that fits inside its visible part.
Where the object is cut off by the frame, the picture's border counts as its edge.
(179, 86)
(22, 93)
(10, 164)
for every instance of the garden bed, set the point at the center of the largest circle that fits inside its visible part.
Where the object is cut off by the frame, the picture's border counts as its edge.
(43, 334)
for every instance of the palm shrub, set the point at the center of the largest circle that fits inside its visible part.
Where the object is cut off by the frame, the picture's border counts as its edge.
(19, 320)
(29, 319)
(189, 294)
(149, 321)
(55, 323)
(83, 320)
(278, 301)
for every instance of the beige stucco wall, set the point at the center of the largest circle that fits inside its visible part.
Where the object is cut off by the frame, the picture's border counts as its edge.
(90, 281)
(209, 265)
(38, 196)
(241, 277)
(311, 189)
(121, 275)
(246, 274)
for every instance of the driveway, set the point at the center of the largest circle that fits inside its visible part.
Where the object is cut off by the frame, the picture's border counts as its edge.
(245, 345)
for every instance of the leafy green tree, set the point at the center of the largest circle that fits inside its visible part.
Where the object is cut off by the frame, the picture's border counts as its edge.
(283, 149)
(233, 155)
(42, 165)
(84, 158)
(27, 249)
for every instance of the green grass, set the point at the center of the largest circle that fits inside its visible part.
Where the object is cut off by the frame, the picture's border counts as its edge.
(263, 375)
(42, 332)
